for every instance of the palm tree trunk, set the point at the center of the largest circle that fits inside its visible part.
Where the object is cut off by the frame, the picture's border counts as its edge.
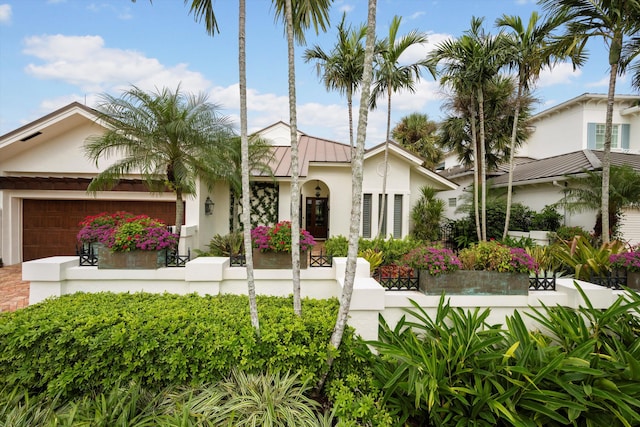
(350, 107)
(179, 213)
(295, 191)
(476, 169)
(246, 203)
(383, 208)
(606, 156)
(483, 166)
(514, 134)
(356, 196)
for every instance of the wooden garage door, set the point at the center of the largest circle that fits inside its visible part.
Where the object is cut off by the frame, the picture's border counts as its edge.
(50, 226)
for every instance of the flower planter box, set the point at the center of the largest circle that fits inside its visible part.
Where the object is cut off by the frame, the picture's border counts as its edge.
(633, 280)
(277, 260)
(474, 282)
(133, 260)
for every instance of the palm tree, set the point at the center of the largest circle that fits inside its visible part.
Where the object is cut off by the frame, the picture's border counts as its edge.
(204, 9)
(392, 77)
(454, 133)
(164, 135)
(532, 50)
(356, 194)
(297, 20)
(584, 194)
(341, 69)
(618, 23)
(417, 134)
(469, 64)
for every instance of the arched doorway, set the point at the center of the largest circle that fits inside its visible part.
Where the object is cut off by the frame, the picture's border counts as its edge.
(316, 212)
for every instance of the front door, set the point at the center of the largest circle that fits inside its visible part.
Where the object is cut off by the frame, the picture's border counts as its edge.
(317, 217)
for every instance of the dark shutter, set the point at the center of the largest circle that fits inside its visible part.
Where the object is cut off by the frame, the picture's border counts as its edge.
(397, 216)
(366, 216)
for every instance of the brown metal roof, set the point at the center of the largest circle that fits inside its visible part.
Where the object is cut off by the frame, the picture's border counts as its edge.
(564, 164)
(310, 149)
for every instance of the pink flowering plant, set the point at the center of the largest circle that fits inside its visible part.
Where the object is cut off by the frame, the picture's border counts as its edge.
(434, 260)
(626, 260)
(96, 228)
(124, 232)
(278, 238)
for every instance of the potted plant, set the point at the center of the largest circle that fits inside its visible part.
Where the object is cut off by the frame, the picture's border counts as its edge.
(485, 268)
(629, 261)
(272, 246)
(127, 241)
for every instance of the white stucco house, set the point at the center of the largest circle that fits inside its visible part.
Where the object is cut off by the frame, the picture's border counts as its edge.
(44, 175)
(565, 140)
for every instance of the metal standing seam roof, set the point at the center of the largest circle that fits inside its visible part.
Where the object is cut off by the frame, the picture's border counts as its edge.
(565, 164)
(310, 149)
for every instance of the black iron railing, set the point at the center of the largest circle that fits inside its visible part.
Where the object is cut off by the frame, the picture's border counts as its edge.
(543, 282)
(174, 259)
(397, 278)
(87, 254)
(614, 279)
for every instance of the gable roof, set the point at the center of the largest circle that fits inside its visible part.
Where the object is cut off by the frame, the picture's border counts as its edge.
(44, 128)
(310, 150)
(629, 101)
(557, 167)
(319, 150)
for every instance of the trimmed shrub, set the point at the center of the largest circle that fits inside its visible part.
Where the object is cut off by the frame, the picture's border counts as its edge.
(82, 343)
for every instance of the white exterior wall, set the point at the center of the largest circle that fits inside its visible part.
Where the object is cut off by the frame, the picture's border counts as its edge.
(557, 134)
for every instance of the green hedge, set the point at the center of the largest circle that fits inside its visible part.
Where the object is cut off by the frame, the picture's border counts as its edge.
(90, 342)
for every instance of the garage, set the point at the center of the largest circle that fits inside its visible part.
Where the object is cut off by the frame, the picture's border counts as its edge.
(49, 227)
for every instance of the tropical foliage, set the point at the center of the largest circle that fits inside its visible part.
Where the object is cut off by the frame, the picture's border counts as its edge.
(170, 137)
(278, 238)
(426, 215)
(417, 134)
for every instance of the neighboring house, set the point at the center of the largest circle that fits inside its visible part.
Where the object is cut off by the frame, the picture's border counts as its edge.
(566, 140)
(44, 175)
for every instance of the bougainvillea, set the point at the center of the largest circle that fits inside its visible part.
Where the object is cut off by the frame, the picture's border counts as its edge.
(627, 260)
(123, 232)
(434, 260)
(278, 238)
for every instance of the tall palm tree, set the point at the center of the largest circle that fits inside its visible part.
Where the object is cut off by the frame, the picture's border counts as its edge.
(470, 63)
(357, 163)
(164, 135)
(298, 17)
(390, 77)
(204, 9)
(341, 68)
(417, 134)
(532, 51)
(454, 133)
(618, 23)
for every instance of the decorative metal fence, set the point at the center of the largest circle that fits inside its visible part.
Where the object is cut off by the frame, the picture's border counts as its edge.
(544, 282)
(397, 278)
(615, 279)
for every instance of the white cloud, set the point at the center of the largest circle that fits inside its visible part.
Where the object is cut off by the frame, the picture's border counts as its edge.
(85, 62)
(5, 13)
(562, 73)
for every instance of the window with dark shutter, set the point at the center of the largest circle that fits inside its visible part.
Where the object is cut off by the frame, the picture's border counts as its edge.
(397, 216)
(383, 230)
(366, 216)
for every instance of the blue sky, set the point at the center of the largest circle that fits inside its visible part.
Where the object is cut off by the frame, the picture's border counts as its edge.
(53, 52)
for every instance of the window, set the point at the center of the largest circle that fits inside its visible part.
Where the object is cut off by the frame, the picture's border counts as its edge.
(452, 202)
(383, 230)
(619, 136)
(366, 216)
(397, 216)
